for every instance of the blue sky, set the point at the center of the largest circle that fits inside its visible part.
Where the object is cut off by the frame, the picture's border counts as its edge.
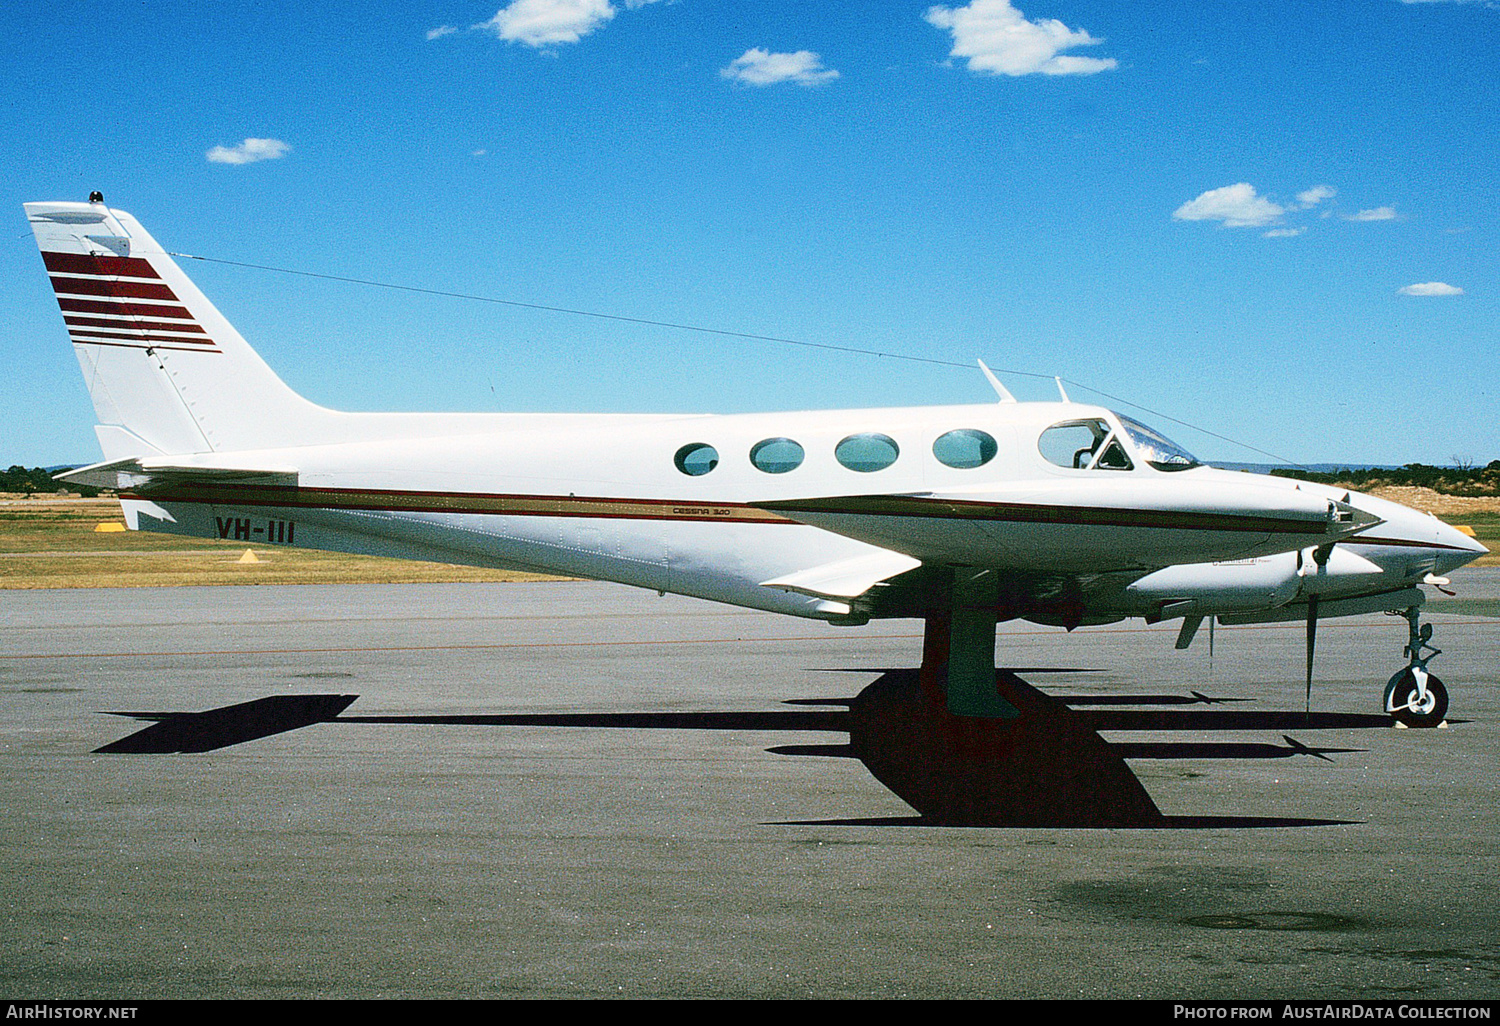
(1275, 221)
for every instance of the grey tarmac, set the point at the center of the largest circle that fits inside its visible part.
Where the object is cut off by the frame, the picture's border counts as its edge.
(666, 858)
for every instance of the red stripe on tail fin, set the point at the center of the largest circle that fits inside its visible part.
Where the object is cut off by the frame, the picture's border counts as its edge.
(83, 263)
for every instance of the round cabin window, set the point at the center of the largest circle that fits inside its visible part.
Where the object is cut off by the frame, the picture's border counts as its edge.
(696, 459)
(776, 455)
(867, 453)
(965, 448)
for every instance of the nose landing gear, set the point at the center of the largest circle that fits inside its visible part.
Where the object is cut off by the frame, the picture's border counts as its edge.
(1414, 696)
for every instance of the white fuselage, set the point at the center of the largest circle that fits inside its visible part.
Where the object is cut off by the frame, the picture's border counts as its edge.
(601, 497)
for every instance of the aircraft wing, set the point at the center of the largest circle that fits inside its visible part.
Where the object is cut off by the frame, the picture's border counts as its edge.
(1087, 526)
(1314, 514)
(846, 578)
(143, 473)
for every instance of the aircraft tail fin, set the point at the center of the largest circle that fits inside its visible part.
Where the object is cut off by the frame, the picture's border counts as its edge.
(166, 371)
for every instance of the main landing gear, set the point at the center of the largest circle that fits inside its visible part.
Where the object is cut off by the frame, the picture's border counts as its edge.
(967, 744)
(958, 649)
(1414, 696)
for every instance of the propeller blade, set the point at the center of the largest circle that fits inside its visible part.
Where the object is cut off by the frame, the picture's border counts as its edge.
(1199, 696)
(1299, 748)
(1302, 749)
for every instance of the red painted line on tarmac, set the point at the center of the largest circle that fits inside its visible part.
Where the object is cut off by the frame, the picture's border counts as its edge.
(438, 648)
(1164, 631)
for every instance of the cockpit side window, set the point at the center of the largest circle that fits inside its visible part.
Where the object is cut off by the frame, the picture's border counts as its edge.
(1084, 445)
(1112, 457)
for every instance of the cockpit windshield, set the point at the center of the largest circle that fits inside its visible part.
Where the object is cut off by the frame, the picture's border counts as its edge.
(1158, 450)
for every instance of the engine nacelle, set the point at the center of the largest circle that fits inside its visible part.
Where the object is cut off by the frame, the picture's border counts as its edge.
(1247, 585)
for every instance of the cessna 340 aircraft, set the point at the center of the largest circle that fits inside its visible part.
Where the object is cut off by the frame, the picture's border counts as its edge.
(1058, 512)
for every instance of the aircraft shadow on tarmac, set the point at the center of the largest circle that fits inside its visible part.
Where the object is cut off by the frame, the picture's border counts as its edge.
(1046, 768)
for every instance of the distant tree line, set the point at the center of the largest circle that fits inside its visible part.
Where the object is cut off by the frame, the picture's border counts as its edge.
(1460, 480)
(37, 481)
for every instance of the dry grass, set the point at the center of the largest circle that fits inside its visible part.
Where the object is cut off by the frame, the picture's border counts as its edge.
(51, 543)
(1452, 508)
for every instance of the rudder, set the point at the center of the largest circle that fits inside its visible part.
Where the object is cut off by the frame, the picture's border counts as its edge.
(166, 372)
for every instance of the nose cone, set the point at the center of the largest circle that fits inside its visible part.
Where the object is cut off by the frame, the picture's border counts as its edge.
(1457, 548)
(1416, 532)
(1408, 543)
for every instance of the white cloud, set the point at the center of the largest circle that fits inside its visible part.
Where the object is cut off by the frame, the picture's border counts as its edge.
(760, 67)
(1284, 233)
(441, 31)
(545, 22)
(249, 151)
(1374, 214)
(1317, 194)
(998, 40)
(1238, 206)
(1431, 288)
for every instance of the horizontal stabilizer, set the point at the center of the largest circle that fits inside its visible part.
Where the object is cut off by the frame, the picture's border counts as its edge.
(847, 578)
(137, 474)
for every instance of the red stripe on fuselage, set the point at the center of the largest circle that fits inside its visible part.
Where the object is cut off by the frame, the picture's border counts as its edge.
(491, 504)
(1358, 540)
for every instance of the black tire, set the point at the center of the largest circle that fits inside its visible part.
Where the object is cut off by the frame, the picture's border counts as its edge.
(1403, 689)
